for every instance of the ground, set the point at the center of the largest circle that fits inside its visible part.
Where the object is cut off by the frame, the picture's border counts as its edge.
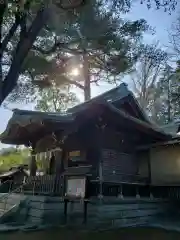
(123, 234)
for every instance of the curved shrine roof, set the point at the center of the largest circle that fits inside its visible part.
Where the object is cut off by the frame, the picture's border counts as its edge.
(119, 102)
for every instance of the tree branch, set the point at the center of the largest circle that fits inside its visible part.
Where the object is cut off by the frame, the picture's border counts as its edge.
(30, 75)
(57, 45)
(22, 16)
(69, 5)
(49, 51)
(13, 74)
(3, 5)
(10, 34)
(75, 84)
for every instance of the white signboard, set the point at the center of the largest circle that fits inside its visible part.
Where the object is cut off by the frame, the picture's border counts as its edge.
(76, 187)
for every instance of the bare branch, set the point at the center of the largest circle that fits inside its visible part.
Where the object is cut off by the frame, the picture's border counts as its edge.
(174, 37)
(75, 83)
(148, 68)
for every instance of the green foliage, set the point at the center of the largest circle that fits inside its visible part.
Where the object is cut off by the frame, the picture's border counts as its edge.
(167, 5)
(13, 157)
(109, 42)
(156, 84)
(20, 24)
(55, 99)
(105, 36)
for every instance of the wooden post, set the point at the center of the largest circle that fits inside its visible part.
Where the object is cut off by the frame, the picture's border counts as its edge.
(85, 211)
(149, 167)
(58, 158)
(120, 195)
(58, 165)
(100, 196)
(46, 162)
(65, 209)
(32, 165)
(137, 192)
(100, 126)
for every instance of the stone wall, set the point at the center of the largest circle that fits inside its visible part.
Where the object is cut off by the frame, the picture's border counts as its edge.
(107, 213)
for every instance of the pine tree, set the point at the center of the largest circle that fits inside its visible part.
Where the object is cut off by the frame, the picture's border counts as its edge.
(56, 99)
(24, 22)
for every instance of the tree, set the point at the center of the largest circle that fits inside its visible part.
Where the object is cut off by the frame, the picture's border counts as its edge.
(167, 5)
(96, 39)
(161, 102)
(12, 157)
(164, 105)
(28, 19)
(55, 99)
(174, 37)
(150, 63)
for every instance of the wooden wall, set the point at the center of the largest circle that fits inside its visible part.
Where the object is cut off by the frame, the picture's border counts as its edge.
(87, 141)
(114, 148)
(143, 165)
(118, 166)
(118, 157)
(165, 165)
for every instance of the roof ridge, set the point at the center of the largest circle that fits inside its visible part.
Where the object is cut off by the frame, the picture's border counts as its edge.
(103, 96)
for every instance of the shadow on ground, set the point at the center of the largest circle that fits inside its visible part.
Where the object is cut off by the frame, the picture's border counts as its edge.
(123, 234)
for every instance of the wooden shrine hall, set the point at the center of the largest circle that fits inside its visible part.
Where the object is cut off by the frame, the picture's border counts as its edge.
(97, 142)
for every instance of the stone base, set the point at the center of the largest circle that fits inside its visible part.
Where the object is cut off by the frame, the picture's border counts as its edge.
(101, 214)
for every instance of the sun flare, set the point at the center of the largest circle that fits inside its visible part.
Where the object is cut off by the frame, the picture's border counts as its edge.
(74, 72)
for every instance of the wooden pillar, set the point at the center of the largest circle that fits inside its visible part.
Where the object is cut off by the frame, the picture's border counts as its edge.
(58, 161)
(99, 131)
(33, 165)
(47, 163)
(100, 195)
(58, 171)
(149, 167)
(120, 195)
(64, 163)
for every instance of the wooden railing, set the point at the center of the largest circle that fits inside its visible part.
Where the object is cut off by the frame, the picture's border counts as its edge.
(9, 186)
(125, 178)
(44, 185)
(54, 184)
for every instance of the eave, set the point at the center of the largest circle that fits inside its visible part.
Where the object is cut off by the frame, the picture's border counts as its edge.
(174, 141)
(133, 122)
(24, 126)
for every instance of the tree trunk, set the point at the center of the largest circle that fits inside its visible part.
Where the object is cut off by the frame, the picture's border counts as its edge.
(3, 5)
(87, 83)
(11, 79)
(169, 102)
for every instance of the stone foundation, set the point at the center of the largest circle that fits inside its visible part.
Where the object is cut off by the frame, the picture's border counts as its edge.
(101, 214)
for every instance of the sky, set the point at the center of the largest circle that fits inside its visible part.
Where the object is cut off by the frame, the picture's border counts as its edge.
(158, 19)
